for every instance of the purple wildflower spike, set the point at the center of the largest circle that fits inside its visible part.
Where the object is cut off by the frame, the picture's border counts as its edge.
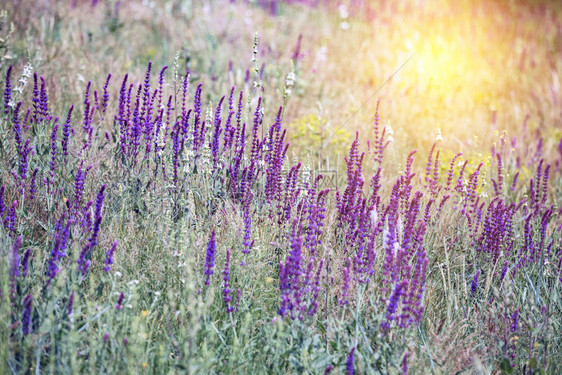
(66, 133)
(474, 285)
(53, 164)
(36, 100)
(15, 259)
(349, 363)
(345, 287)
(83, 259)
(2, 204)
(515, 321)
(393, 305)
(8, 91)
(105, 97)
(25, 262)
(26, 317)
(109, 256)
(119, 305)
(210, 259)
(17, 127)
(227, 292)
(10, 219)
(70, 303)
(405, 364)
(44, 102)
(160, 87)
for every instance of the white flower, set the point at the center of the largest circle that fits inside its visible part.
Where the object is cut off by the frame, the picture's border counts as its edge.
(386, 238)
(343, 11)
(438, 136)
(290, 80)
(374, 216)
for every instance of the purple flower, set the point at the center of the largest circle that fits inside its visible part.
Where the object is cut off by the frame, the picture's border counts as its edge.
(70, 303)
(105, 98)
(474, 286)
(14, 268)
(25, 262)
(216, 134)
(17, 127)
(405, 364)
(393, 305)
(109, 256)
(79, 182)
(160, 86)
(44, 102)
(23, 159)
(93, 241)
(451, 171)
(32, 186)
(121, 117)
(53, 164)
(349, 362)
(238, 294)
(197, 102)
(290, 277)
(60, 241)
(345, 286)
(8, 91)
(119, 305)
(15, 259)
(146, 96)
(97, 216)
(210, 259)
(26, 317)
(228, 128)
(66, 132)
(185, 86)
(25, 123)
(10, 219)
(2, 204)
(87, 119)
(248, 243)
(545, 184)
(515, 321)
(36, 100)
(226, 288)
(499, 190)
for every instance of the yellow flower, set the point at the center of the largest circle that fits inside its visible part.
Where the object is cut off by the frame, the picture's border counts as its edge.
(144, 365)
(269, 280)
(144, 313)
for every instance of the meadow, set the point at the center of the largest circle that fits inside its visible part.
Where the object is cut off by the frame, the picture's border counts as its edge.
(281, 187)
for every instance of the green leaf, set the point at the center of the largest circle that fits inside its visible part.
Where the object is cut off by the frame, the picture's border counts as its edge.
(505, 367)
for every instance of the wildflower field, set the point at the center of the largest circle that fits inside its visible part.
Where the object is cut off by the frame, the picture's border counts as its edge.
(281, 187)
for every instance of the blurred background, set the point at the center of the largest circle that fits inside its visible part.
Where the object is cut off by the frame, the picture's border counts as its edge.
(472, 72)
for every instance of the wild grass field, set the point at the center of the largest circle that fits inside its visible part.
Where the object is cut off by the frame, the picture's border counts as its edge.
(281, 187)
